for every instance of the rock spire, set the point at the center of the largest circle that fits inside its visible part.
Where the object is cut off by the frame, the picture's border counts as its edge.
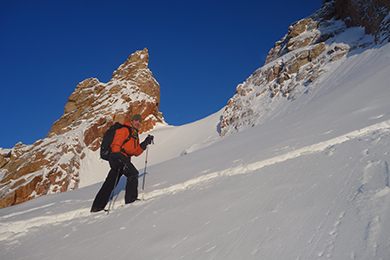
(53, 165)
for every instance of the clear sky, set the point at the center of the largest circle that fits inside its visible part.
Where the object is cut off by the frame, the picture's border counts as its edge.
(199, 51)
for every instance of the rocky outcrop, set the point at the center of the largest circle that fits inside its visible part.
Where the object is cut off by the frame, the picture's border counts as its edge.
(368, 14)
(53, 165)
(299, 59)
(132, 90)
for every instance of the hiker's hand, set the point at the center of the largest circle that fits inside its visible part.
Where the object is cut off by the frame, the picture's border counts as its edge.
(148, 140)
(117, 161)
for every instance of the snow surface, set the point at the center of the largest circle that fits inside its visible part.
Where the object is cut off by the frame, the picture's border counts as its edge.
(310, 183)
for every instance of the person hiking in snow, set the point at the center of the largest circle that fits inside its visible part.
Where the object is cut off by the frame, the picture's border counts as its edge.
(120, 163)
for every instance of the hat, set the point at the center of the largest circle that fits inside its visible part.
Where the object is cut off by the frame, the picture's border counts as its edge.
(137, 117)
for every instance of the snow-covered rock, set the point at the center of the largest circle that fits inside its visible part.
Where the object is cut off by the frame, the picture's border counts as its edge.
(310, 181)
(303, 56)
(53, 165)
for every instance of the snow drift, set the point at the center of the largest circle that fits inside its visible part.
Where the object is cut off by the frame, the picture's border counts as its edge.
(309, 180)
(313, 183)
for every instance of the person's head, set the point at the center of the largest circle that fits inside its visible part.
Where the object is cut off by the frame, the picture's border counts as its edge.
(136, 121)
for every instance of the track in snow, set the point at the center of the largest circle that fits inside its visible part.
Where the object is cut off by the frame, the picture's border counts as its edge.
(9, 228)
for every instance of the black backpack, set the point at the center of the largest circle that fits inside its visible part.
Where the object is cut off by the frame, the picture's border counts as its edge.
(108, 137)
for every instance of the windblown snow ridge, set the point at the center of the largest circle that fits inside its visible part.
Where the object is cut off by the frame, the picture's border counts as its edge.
(243, 169)
(11, 228)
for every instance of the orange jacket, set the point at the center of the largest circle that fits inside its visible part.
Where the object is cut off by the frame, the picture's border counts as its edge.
(130, 148)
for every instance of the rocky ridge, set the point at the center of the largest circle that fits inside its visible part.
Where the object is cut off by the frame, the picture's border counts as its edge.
(52, 165)
(296, 63)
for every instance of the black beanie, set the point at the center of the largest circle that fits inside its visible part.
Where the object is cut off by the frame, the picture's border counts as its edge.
(137, 117)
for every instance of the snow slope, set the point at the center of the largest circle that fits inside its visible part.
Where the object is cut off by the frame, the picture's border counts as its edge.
(310, 183)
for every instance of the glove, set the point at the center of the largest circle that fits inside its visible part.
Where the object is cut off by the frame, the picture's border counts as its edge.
(148, 140)
(117, 161)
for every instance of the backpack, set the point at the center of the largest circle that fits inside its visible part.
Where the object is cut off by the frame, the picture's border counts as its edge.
(108, 137)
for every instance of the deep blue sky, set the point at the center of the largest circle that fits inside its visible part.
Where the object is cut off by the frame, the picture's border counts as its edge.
(199, 52)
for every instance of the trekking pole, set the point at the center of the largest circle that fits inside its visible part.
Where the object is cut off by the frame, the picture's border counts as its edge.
(112, 192)
(146, 161)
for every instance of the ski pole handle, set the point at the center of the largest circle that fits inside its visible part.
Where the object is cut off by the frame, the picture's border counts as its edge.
(151, 138)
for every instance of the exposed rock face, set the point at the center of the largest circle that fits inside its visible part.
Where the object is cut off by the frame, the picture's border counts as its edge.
(296, 62)
(132, 90)
(369, 14)
(52, 165)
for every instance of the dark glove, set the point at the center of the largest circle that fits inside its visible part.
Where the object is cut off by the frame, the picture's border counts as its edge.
(148, 140)
(117, 161)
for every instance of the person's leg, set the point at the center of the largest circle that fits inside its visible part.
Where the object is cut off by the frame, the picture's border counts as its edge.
(132, 183)
(104, 193)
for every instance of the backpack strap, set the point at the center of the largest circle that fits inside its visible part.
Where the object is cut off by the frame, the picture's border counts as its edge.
(128, 138)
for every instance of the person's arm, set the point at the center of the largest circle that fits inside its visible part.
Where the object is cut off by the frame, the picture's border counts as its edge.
(120, 136)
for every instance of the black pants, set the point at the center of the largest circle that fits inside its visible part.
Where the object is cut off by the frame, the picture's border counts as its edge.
(131, 193)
